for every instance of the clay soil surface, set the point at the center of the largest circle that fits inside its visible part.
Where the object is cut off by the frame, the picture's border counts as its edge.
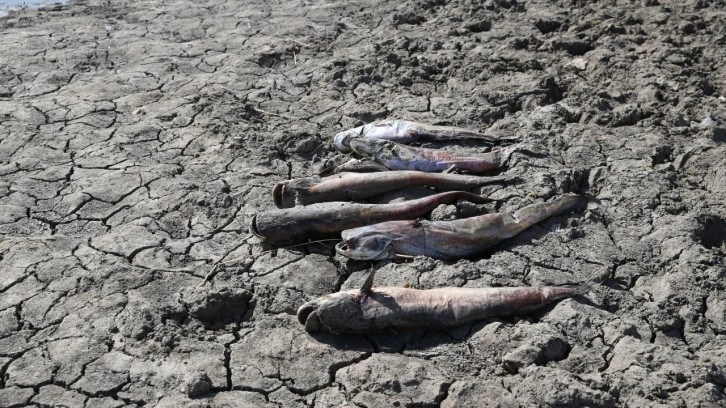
(139, 138)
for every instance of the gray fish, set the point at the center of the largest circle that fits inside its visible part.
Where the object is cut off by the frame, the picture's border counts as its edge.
(297, 224)
(402, 131)
(371, 310)
(449, 239)
(396, 156)
(356, 186)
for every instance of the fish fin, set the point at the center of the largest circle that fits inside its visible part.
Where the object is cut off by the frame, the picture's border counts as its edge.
(585, 287)
(367, 287)
(405, 256)
(595, 280)
(590, 284)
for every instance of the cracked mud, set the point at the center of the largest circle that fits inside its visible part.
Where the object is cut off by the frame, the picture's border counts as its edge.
(138, 140)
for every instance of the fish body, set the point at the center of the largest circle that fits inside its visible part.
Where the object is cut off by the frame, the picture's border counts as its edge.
(403, 308)
(396, 156)
(448, 239)
(291, 225)
(356, 186)
(402, 131)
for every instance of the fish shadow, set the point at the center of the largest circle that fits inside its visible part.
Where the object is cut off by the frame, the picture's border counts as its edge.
(324, 247)
(530, 152)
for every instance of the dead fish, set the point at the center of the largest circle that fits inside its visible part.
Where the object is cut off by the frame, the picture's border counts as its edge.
(325, 219)
(370, 310)
(396, 156)
(355, 186)
(449, 239)
(402, 131)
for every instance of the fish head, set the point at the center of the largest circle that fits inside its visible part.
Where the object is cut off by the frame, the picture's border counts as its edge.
(341, 141)
(289, 193)
(335, 313)
(370, 147)
(371, 242)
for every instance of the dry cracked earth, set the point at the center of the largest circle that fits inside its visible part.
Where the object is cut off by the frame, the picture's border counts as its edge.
(138, 139)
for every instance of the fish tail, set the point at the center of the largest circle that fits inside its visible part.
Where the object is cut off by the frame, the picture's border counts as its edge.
(505, 152)
(583, 288)
(532, 214)
(552, 293)
(594, 280)
(470, 197)
(478, 181)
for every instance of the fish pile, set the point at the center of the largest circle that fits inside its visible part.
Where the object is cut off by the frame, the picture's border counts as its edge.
(324, 206)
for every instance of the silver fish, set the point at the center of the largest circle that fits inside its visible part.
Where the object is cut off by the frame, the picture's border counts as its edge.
(402, 131)
(449, 239)
(396, 156)
(371, 310)
(355, 186)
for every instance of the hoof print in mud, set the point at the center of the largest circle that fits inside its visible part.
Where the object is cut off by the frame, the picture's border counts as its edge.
(537, 351)
(408, 18)
(711, 232)
(219, 306)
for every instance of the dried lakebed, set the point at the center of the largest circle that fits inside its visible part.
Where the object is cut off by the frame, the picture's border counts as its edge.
(138, 140)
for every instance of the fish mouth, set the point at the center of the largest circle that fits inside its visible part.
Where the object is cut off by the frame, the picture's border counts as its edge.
(303, 312)
(253, 228)
(277, 194)
(341, 141)
(343, 248)
(308, 317)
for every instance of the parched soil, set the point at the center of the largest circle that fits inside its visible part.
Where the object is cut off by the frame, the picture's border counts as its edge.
(138, 139)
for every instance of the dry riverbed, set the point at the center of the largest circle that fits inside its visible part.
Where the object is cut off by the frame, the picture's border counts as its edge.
(138, 139)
